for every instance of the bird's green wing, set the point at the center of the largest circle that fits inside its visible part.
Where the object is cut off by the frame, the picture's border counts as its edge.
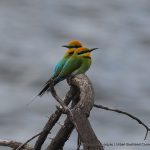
(85, 65)
(59, 67)
(73, 63)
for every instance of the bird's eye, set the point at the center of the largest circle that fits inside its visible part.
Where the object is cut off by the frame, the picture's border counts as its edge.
(71, 53)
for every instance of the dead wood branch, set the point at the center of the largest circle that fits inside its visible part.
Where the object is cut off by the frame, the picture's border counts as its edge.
(78, 115)
(14, 144)
(22, 145)
(53, 119)
(62, 135)
(81, 97)
(127, 114)
(65, 131)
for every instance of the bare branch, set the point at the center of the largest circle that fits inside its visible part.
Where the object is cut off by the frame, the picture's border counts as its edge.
(78, 115)
(82, 110)
(127, 114)
(65, 131)
(78, 143)
(14, 144)
(82, 96)
(22, 145)
(59, 100)
(53, 119)
(62, 136)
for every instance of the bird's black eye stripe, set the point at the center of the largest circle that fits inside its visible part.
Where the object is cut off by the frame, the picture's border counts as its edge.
(88, 57)
(87, 51)
(71, 53)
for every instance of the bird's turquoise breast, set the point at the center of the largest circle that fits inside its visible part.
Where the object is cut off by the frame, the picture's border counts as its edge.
(59, 67)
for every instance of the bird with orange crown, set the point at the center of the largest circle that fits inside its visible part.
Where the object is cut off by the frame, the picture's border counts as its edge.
(77, 60)
(72, 46)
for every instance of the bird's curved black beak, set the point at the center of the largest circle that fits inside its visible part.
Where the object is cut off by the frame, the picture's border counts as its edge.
(93, 49)
(65, 46)
(87, 51)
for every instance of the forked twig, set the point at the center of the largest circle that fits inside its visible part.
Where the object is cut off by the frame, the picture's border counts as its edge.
(78, 115)
(71, 95)
(127, 114)
(22, 145)
(59, 100)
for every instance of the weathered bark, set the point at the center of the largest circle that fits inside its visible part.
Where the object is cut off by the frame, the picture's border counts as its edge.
(78, 115)
(53, 119)
(81, 95)
(62, 136)
(81, 111)
(65, 131)
(14, 145)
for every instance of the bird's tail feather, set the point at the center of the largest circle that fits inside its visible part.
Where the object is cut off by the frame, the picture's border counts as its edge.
(32, 100)
(48, 84)
(43, 90)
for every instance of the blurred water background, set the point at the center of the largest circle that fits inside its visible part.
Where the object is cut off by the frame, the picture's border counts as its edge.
(31, 35)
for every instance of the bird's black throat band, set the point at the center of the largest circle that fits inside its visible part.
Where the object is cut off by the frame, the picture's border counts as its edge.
(88, 57)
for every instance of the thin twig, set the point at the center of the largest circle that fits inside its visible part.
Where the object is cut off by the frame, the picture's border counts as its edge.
(14, 144)
(22, 145)
(78, 142)
(59, 100)
(127, 114)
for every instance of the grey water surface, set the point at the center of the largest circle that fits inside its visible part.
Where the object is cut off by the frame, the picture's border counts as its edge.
(31, 35)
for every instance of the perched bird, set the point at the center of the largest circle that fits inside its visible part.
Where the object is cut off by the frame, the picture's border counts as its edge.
(72, 46)
(78, 63)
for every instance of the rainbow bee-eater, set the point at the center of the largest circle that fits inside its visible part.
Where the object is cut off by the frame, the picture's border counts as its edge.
(78, 63)
(72, 46)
